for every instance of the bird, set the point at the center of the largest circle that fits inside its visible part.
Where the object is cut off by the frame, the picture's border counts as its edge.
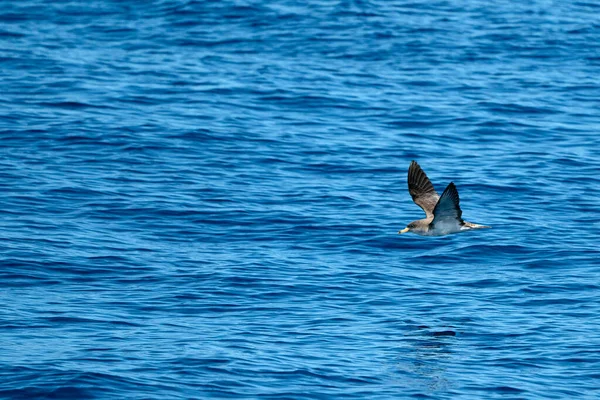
(443, 215)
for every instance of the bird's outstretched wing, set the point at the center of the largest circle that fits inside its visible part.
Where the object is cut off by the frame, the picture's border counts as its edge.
(421, 189)
(447, 209)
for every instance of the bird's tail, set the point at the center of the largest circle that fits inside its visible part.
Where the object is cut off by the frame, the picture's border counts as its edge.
(475, 226)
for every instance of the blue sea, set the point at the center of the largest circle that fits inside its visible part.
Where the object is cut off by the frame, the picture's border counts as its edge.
(201, 199)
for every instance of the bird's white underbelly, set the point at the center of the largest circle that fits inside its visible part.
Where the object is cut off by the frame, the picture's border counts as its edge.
(445, 228)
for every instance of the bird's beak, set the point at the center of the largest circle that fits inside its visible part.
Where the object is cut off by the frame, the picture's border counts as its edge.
(403, 231)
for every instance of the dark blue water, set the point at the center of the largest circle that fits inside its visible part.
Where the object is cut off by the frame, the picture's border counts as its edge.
(201, 199)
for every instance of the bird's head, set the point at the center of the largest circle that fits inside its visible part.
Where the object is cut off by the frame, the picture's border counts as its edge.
(408, 228)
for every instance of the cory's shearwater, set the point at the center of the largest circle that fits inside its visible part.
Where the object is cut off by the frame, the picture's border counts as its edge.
(443, 213)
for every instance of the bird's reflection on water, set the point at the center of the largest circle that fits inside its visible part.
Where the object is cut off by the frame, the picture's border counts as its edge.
(426, 354)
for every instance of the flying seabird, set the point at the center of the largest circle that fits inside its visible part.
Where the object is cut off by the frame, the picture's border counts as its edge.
(443, 213)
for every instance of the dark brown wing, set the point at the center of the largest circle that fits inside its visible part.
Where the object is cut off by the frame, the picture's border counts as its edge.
(421, 189)
(448, 207)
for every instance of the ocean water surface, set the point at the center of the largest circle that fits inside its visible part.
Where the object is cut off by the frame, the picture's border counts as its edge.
(201, 199)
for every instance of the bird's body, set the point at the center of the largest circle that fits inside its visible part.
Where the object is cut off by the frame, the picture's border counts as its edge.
(443, 213)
